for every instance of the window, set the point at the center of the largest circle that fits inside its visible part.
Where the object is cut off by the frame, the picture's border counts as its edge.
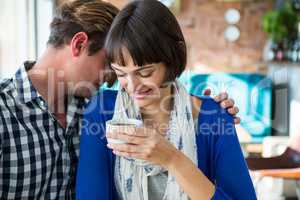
(24, 28)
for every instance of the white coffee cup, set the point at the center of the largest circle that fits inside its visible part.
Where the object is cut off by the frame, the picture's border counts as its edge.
(127, 126)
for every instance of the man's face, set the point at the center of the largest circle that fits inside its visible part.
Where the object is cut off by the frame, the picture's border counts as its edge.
(86, 74)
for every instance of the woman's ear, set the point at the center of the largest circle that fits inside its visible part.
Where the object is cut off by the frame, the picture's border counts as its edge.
(79, 43)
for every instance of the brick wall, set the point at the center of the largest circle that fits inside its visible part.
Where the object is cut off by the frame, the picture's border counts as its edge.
(203, 25)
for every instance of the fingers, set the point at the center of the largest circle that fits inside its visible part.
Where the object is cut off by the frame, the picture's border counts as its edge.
(228, 103)
(237, 120)
(128, 148)
(207, 92)
(130, 155)
(221, 97)
(132, 139)
(144, 132)
(233, 110)
(133, 151)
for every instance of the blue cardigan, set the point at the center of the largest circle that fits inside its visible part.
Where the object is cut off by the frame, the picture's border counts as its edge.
(219, 154)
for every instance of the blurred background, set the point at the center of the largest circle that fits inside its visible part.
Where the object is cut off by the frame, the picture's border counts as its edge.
(249, 48)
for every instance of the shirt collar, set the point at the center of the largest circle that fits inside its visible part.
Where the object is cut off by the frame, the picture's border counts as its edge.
(24, 87)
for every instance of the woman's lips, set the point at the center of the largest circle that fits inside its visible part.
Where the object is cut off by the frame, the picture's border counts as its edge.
(142, 94)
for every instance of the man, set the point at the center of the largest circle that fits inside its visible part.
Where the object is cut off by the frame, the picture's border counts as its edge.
(41, 106)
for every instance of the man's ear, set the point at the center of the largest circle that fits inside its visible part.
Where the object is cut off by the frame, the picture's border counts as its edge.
(79, 43)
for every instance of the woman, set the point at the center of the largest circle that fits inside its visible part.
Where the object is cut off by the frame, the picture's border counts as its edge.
(188, 144)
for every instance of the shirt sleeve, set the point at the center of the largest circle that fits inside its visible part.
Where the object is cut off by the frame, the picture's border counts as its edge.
(94, 168)
(232, 179)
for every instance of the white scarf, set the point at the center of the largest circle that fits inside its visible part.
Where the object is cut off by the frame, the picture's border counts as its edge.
(131, 176)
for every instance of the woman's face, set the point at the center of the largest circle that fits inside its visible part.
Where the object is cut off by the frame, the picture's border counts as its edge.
(143, 83)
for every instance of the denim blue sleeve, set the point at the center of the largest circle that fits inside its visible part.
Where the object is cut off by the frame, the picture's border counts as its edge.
(94, 173)
(230, 172)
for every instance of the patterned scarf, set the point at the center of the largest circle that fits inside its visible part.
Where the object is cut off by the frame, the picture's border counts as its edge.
(131, 175)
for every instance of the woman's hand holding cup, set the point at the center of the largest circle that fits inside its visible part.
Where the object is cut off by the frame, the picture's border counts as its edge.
(143, 144)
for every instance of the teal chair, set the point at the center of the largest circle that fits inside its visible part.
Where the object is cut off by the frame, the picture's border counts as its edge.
(252, 94)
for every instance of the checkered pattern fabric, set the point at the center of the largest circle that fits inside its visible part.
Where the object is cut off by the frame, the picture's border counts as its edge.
(38, 157)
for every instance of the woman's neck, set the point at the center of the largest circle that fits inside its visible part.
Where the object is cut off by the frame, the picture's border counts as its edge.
(158, 115)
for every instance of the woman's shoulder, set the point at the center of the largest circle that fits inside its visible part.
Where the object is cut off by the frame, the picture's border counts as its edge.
(212, 117)
(214, 127)
(205, 105)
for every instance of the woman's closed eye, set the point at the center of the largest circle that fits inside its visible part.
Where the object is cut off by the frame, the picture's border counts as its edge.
(145, 74)
(120, 74)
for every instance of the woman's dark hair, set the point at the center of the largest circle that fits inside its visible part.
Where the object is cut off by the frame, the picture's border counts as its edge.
(151, 34)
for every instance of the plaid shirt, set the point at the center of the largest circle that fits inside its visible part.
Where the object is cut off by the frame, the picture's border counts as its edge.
(38, 158)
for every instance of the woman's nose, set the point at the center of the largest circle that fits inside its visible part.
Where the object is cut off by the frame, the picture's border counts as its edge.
(132, 83)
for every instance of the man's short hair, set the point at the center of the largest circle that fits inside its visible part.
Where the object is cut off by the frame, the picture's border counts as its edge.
(93, 17)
